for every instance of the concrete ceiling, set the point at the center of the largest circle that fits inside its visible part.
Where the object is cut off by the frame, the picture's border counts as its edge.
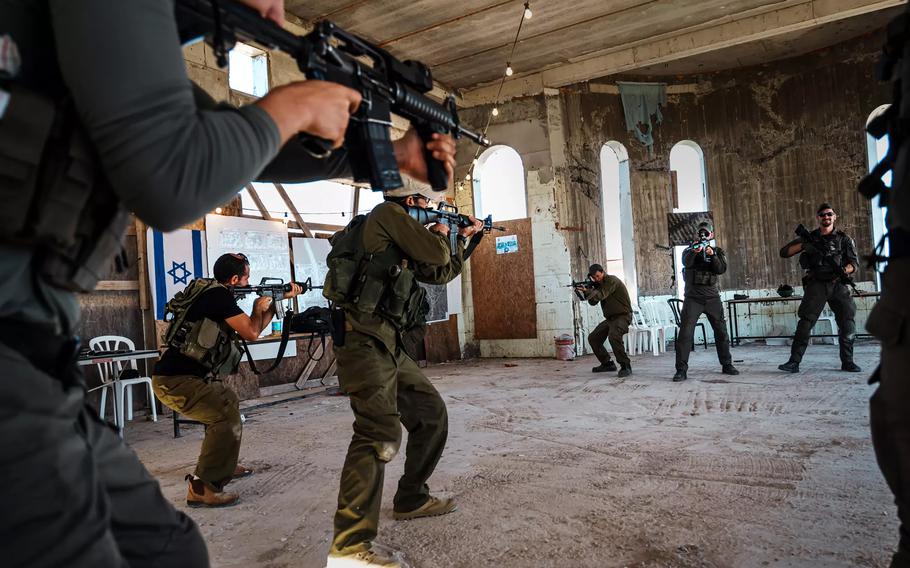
(467, 42)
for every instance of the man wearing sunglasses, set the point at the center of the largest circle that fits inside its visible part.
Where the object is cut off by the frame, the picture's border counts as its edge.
(821, 285)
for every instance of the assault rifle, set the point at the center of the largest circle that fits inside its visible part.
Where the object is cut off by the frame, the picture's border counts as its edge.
(388, 86)
(702, 246)
(448, 215)
(274, 288)
(827, 259)
(587, 284)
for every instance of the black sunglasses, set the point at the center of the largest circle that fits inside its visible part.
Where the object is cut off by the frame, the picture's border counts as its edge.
(826, 214)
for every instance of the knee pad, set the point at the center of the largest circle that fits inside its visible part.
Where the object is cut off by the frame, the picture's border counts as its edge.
(386, 451)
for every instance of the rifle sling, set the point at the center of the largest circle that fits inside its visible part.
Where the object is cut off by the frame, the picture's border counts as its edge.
(285, 333)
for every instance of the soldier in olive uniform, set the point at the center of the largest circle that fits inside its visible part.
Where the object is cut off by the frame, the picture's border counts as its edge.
(374, 267)
(821, 285)
(613, 297)
(188, 376)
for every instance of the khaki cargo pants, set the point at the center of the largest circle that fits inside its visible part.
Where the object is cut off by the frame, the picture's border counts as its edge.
(386, 390)
(216, 406)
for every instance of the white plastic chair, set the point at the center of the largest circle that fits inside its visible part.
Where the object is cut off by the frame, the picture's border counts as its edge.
(659, 319)
(110, 373)
(643, 329)
(827, 316)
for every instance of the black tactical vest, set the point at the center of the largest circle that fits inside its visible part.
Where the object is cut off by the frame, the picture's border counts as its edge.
(835, 245)
(55, 200)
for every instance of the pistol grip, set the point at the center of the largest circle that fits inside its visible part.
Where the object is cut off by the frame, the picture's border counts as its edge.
(436, 171)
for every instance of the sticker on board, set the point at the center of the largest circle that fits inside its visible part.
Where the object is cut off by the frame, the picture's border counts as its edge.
(507, 244)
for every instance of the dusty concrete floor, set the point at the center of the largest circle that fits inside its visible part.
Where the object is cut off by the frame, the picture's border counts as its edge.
(555, 466)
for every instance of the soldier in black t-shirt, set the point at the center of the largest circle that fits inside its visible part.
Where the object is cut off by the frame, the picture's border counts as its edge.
(202, 346)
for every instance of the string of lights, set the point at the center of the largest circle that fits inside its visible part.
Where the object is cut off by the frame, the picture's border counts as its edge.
(526, 14)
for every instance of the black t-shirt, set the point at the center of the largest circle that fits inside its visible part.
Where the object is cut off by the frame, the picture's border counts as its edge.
(217, 304)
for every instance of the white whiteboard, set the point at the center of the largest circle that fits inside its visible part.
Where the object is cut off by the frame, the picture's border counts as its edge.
(309, 262)
(265, 244)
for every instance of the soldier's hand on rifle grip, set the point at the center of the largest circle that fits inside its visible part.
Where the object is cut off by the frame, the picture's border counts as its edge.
(709, 251)
(319, 109)
(440, 228)
(474, 228)
(262, 305)
(296, 289)
(268, 9)
(411, 154)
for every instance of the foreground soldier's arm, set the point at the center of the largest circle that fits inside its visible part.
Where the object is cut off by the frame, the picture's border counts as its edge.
(168, 160)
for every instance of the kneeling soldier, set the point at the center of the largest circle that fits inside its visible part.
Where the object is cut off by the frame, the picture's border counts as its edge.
(613, 297)
(201, 347)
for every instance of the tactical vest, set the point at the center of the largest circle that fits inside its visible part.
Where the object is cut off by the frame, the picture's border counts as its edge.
(815, 264)
(379, 283)
(211, 344)
(701, 274)
(56, 199)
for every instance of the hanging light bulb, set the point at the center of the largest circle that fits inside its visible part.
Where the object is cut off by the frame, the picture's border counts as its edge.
(467, 177)
(528, 12)
(218, 210)
(509, 70)
(495, 111)
(474, 162)
(285, 220)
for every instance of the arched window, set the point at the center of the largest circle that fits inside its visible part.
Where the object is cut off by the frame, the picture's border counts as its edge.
(688, 161)
(876, 150)
(499, 185)
(617, 215)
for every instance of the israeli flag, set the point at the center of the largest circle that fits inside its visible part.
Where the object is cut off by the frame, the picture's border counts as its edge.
(174, 260)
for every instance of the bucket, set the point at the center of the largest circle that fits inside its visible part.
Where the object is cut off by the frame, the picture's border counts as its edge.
(565, 347)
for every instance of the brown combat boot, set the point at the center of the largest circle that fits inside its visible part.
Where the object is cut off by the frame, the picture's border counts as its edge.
(198, 494)
(432, 508)
(241, 471)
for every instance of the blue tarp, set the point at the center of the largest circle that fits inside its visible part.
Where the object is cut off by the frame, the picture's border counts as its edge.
(641, 101)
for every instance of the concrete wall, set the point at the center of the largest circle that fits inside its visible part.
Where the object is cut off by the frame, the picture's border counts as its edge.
(778, 139)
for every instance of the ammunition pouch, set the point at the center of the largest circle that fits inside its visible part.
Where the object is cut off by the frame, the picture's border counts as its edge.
(57, 201)
(211, 344)
(704, 278)
(379, 283)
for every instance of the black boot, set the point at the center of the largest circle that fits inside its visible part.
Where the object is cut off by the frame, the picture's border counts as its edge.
(679, 377)
(851, 367)
(624, 371)
(790, 367)
(604, 367)
(729, 370)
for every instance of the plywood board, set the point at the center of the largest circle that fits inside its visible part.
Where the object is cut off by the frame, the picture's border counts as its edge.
(502, 285)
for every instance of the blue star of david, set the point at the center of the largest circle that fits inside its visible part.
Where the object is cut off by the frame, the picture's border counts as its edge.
(183, 276)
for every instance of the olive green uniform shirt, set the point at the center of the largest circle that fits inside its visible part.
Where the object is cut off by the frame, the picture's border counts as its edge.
(427, 253)
(612, 295)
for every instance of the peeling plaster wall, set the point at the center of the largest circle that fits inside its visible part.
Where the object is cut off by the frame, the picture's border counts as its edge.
(532, 126)
(778, 139)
